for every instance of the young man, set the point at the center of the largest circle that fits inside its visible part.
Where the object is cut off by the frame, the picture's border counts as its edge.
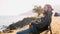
(47, 8)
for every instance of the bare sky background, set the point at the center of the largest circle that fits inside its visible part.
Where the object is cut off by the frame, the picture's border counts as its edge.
(16, 7)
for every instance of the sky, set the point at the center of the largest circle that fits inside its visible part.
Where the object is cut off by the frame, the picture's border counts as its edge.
(16, 7)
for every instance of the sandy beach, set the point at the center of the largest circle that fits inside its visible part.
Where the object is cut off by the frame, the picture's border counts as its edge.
(55, 26)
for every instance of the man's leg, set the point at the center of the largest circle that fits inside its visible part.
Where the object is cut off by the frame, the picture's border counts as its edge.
(33, 30)
(23, 32)
(27, 31)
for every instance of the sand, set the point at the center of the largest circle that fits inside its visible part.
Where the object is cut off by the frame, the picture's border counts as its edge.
(55, 26)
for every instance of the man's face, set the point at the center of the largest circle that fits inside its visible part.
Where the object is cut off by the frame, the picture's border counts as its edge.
(48, 8)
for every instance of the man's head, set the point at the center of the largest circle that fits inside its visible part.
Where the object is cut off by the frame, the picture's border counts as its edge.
(47, 7)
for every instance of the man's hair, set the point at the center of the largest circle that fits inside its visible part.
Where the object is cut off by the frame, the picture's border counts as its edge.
(48, 5)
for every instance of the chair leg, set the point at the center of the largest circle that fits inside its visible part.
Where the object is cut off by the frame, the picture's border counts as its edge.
(46, 32)
(50, 29)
